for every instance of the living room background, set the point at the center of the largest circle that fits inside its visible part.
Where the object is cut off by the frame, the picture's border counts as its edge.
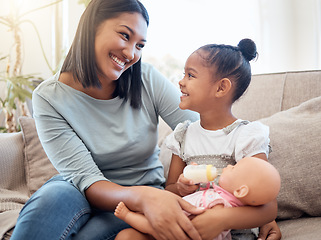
(287, 32)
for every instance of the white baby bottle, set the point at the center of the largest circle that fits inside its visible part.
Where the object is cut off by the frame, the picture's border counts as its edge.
(200, 173)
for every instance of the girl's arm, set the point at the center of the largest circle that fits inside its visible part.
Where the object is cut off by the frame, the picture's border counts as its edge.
(175, 170)
(211, 223)
(176, 182)
(261, 155)
(270, 229)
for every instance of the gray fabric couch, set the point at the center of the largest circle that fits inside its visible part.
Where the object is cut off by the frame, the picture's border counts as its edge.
(289, 103)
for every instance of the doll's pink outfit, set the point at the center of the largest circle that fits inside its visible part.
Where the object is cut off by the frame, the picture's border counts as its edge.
(210, 197)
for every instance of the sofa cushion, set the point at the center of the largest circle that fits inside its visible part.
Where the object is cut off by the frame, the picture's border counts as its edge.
(253, 106)
(309, 88)
(12, 174)
(13, 187)
(278, 92)
(38, 168)
(301, 229)
(295, 141)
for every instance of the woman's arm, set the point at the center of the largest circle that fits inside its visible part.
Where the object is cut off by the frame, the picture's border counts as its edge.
(163, 209)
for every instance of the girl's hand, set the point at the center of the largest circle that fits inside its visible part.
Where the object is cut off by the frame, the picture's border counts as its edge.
(163, 209)
(185, 186)
(270, 231)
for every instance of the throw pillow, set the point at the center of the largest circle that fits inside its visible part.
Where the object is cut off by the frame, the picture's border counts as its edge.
(37, 165)
(13, 187)
(295, 141)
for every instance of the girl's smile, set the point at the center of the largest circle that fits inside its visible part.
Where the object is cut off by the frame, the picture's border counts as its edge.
(184, 95)
(196, 84)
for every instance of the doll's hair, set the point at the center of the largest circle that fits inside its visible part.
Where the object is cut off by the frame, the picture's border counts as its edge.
(81, 60)
(231, 62)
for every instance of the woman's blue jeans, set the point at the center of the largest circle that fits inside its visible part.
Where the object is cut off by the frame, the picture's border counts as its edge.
(59, 211)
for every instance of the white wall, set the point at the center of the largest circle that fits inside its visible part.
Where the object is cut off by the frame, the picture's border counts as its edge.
(287, 32)
(290, 31)
(54, 44)
(33, 61)
(45, 21)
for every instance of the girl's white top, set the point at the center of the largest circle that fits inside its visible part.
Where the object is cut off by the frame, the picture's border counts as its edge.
(239, 140)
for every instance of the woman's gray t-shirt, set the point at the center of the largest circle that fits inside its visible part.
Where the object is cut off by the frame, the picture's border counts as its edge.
(89, 140)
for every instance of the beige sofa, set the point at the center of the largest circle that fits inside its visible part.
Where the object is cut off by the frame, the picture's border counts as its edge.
(289, 103)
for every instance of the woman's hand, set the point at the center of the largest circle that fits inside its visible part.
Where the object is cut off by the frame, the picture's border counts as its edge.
(202, 223)
(270, 231)
(163, 209)
(185, 186)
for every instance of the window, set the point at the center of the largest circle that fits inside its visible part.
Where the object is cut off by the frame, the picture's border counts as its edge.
(287, 32)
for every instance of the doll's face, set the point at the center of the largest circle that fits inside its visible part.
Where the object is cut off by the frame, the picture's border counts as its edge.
(254, 180)
(233, 176)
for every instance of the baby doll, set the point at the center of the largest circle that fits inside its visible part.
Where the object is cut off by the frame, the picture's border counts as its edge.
(251, 181)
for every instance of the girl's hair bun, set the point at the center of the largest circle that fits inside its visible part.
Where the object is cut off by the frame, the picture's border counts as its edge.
(248, 49)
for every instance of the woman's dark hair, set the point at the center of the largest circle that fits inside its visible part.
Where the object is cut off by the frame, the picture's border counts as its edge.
(232, 62)
(80, 60)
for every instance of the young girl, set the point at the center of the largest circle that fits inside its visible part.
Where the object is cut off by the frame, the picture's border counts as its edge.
(215, 77)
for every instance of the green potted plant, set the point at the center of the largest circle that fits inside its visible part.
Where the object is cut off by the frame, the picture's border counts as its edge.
(85, 2)
(18, 89)
(19, 86)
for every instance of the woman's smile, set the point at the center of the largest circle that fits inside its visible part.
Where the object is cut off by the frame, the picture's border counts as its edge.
(118, 44)
(119, 62)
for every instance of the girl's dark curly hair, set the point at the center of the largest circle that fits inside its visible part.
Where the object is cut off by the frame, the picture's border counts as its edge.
(232, 62)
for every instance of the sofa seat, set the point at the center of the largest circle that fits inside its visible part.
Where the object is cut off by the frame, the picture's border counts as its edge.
(308, 228)
(289, 103)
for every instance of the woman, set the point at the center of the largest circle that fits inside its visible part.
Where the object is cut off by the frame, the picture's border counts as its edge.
(97, 121)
